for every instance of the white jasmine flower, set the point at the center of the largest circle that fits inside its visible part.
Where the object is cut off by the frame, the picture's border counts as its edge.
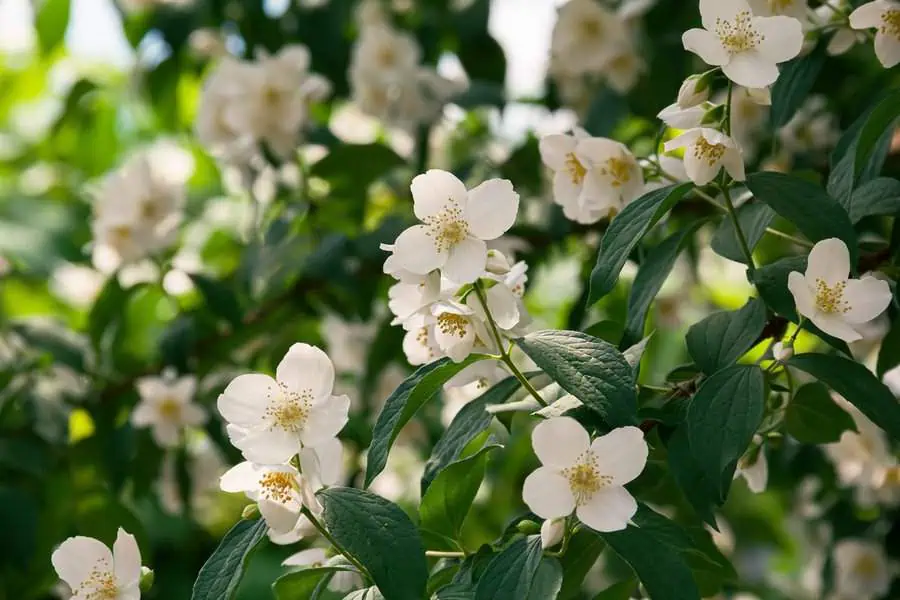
(552, 531)
(813, 128)
(585, 38)
(420, 344)
(583, 476)
(454, 329)
(593, 177)
(747, 47)
(749, 116)
(271, 419)
(884, 16)
(167, 407)
(678, 117)
(706, 152)
(624, 69)
(407, 299)
(844, 37)
(347, 342)
(861, 570)
(77, 285)
(213, 126)
(456, 225)
(834, 303)
(93, 572)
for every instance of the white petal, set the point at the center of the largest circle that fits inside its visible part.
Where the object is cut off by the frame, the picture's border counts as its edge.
(835, 326)
(268, 447)
(727, 10)
(504, 306)
(325, 420)
(166, 434)
(698, 168)
(706, 45)
(552, 532)
(751, 70)
(414, 250)
(547, 494)
(682, 118)
(685, 140)
(555, 150)
(558, 442)
(245, 399)
(322, 464)
(609, 509)
(841, 42)
(280, 518)
(77, 557)
(887, 49)
(150, 388)
(491, 209)
(193, 415)
(757, 474)
(144, 414)
(733, 162)
(466, 261)
(803, 299)
(621, 454)
(782, 37)
(184, 388)
(242, 477)
(565, 191)
(868, 297)
(866, 16)
(829, 261)
(306, 368)
(306, 558)
(434, 190)
(592, 152)
(127, 558)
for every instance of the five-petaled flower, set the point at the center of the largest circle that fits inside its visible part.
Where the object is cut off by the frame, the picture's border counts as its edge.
(747, 47)
(269, 420)
(166, 406)
(827, 296)
(92, 572)
(583, 476)
(884, 16)
(706, 151)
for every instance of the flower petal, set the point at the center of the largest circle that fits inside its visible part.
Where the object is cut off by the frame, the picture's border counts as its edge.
(127, 558)
(609, 509)
(733, 162)
(193, 415)
(306, 368)
(78, 556)
(504, 306)
(684, 140)
(491, 209)
(835, 326)
(280, 518)
(555, 150)
(547, 494)
(700, 170)
(306, 558)
(321, 464)
(151, 388)
(184, 388)
(166, 434)
(244, 400)
(415, 251)
(782, 37)
(558, 442)
(750, 69)
(713, 10)
(887, 49)
(868, 297)
(565, 191)
(829, 261)
(466, 261)
(434, 190)
(621, 454)
(868, 15)
(325, 420)
(242, 477)
(803, 299)
(144, 414)
(706, 45)
(268, 446)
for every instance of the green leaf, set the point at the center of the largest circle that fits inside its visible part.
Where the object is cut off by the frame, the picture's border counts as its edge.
(456, 591)
(812, 417)
(794, 84)
(351, 168)
(547, 581)
(301, 584)
(625, 232)
(606, 110)
(468, 423)
(584, 550)
(510, 574)
(857, 384)
(20, 519)
(619, 591)
(754, 218)
(108, 308)
(51, 23)
(406, 400)
(723, 337)
(889, 354)
(379, 535)
(660, 567)
(650, 277)
(446, 503)
(590, 369)
(718, 426)
(221, 574)
(880, 196)
(816, 214)
(221, 300)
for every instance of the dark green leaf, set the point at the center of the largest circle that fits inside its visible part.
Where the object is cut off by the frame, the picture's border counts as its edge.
(857, 384)
(221, 574)
(510, 574)
(351, 168)
(584, 550)
(880, 196)
(381, 537)
(64, 345)
(754, 218)
(468, 423)
(590, 369)
(649, 279)
(19, 518)
(400, 407)
(607, 109)
(812, 417)
(221, 300)
(619, 591)
(625, 232)
(794, 84)
(51, 23)
(456, 591)
(806, 205)
(301, 584)
(889, 354)
(547, 581)
(723, 337)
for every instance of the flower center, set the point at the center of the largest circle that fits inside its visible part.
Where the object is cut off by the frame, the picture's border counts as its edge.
(100, 584)
(866, 566)
(121, 234)
(170, 409)
(830, 299)
(890, 23)
(387, 57)
(447, 228)
(277, 486)
(738, 35)
(891, 478)
(585, 479)
(780, 6)
(619, 169)
(591, 28)
(575, 168)
(272, 96)
(291, 411)
(453, 324)
(709, 153)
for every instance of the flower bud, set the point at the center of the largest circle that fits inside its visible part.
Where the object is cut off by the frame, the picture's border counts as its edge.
(497, 263)
(782, 351)
(147, 578)
(527, 527)
(552, 532)
(694, 91)
(251, 511)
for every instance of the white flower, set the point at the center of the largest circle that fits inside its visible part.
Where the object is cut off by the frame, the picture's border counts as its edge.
(552, 531)
(754, 468)
(770, 8)
(834, 303)
(747, 47)
(93, 572)
(593, 177)
(833, 15)
(811, 129)
(706, 151)
(678, 117)
(347, 343)
(167, 406)
(782, 351)
(271, 419)
(693, 91)
(77, 285)
(884, 15)
(585, 38)
(454, 329)
(624, 69)
(861, 570)
(583, 476)
(341, 581)
(456, 224)
(419, 343)
(408, 299)
(749, 116)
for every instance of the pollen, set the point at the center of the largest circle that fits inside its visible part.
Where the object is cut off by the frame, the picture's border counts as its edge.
(100, 583)
(890, 23)
(453, 324)
(121, 233)
(585, 478)
(708, 153)
(866, 566)
(277, 486)
(830, 299)
(575, 168)
(618, 169)
(738, 35)
(150, 209)
(448, 227)
(170, 409)
(289, 412)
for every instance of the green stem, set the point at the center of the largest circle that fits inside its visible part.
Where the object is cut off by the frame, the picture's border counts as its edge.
(727, 120)
(442, 554)
(318, 525)
(742, 240)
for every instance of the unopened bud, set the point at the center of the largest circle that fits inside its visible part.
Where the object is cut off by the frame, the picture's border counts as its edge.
(552, 532)
(528, 527)
(782, 351)
(497, 263)
(147, 578)
(694, 91)
(251, 511)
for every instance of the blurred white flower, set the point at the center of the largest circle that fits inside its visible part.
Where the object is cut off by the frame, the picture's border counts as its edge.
(812, 129)
(833, 15)
(749, 116)
(770, 8)
(166, 406)
(77, 285)
(861, 570)
(347, 343)
(835, 304)
(92, 571)
(884, 16)
(399, 482)
(706, 152)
